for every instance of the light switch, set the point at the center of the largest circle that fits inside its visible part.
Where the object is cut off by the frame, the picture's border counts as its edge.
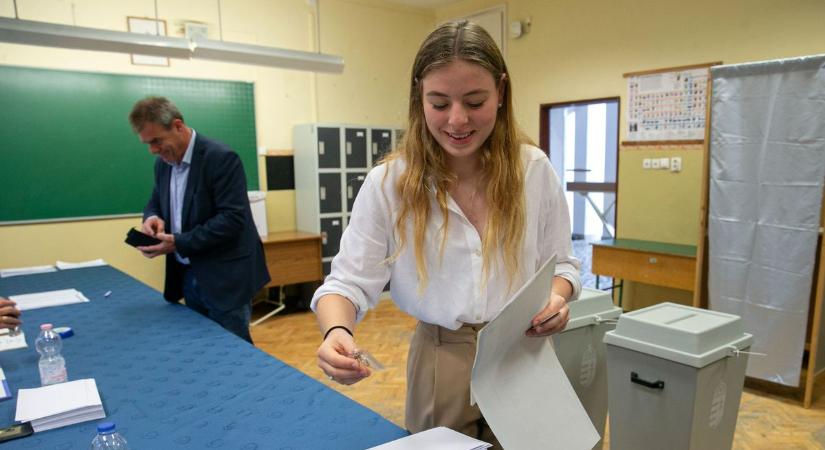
(646, 163)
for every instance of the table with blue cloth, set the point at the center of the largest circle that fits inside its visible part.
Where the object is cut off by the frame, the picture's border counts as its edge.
(172, 379)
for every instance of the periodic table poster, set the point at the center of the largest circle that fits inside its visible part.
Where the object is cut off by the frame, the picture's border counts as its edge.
(667, 105)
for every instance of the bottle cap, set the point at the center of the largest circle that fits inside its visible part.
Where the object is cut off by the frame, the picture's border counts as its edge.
(64, 332)
(46, 326)
(104, 427)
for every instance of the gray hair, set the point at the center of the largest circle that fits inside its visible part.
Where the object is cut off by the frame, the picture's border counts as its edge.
(159, 110)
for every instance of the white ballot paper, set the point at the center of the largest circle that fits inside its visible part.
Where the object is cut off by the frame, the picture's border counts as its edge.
(37, 300)
(17, 271)
(518, 382)
(60, 404)
(441, 438)
(11, 341)
(63, 265)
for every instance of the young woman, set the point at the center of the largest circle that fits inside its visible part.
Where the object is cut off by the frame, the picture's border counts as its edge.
(458, 218)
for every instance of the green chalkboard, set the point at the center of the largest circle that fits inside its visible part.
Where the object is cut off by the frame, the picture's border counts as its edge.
(67, 150)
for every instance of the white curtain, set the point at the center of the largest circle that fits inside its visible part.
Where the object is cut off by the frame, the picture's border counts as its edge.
(767, 169)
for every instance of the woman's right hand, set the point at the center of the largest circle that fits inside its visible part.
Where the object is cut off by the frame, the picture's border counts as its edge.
(336, 360)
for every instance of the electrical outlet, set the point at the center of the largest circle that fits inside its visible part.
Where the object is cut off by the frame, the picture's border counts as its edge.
(656, 163)
(676, 164)
(664, 163)
(646, 163)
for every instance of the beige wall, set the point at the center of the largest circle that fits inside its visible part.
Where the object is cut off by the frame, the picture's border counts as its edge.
(377, 41)
(579, 50)
(575, 50)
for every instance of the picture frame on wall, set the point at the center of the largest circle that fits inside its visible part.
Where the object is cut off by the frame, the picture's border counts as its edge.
(155, 27)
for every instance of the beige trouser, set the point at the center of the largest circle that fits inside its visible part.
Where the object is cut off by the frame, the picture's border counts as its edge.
(439, 366)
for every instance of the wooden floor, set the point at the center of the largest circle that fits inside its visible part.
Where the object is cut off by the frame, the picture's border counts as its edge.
(766, 421)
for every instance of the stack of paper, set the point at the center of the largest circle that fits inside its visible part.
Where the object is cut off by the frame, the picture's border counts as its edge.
(10, 340)
(59, 404)
(440, 438)
(49, 298)
(63, 265)
(5, 273)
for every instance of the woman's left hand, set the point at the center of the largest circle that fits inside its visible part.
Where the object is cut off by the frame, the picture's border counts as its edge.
(557, 304)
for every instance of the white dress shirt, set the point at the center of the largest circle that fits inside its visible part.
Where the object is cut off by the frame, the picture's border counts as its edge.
(177, 188)
(455, 293)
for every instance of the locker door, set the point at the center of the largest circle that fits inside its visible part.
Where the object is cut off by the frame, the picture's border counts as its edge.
(331, 229)
(355, 141)
(354, 182)
(329, 192)
(381, 144)
(329, 148)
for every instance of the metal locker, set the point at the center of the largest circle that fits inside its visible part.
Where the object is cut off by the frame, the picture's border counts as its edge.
(331, 230)
(355, 148)
(381, 144)
(329, 192)
(354, 182)
(329, 148)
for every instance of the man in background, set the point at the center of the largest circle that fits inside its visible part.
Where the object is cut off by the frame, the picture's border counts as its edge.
(200, 211)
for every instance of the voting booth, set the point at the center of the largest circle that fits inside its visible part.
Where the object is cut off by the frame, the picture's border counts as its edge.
(581, 351)
(675, 377)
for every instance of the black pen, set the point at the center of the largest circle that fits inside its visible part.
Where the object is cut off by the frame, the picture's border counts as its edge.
(545, 320)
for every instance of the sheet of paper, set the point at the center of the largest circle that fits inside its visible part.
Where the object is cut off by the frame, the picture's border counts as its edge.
(63, 265)
(17, 271)
(59, 404)
(46, 299)
(519, 384)
(440, 438)
(5, 392)
(9, 342)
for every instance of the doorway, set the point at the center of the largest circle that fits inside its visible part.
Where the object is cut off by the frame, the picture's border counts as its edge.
(581, 139)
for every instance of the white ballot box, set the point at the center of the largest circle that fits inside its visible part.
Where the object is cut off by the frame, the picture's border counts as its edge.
(675, 378)
(581, 352)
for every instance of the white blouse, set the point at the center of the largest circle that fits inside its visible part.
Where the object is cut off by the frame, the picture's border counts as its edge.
(455, 293)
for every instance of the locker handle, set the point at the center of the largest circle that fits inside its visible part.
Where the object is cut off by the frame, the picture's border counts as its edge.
(658, 384)
(349, 191)
(323, 193)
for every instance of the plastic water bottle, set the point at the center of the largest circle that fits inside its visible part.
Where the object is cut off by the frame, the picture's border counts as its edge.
(108, 439)
(52, 365)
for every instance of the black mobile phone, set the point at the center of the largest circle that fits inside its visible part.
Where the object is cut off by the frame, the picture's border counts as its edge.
(16, 431)
(137, 238)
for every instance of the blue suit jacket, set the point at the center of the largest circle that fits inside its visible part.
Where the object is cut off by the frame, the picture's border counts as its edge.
(218, 234)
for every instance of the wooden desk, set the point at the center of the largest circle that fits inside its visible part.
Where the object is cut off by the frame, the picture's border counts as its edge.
(657, 263)
(293, 257)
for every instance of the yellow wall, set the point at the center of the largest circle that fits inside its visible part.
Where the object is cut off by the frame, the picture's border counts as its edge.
(579, 50)
(369, 91)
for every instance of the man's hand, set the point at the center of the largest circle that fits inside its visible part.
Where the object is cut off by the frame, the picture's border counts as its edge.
(9, 314)
(153, 225)
(164, 248)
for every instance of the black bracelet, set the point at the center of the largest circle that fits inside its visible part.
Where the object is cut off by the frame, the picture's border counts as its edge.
(337, 326)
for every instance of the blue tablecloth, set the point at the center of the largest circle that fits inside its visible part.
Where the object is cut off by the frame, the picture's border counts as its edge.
(172, 379)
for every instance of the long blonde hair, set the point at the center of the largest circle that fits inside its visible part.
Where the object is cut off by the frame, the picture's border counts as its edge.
(426, 162)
